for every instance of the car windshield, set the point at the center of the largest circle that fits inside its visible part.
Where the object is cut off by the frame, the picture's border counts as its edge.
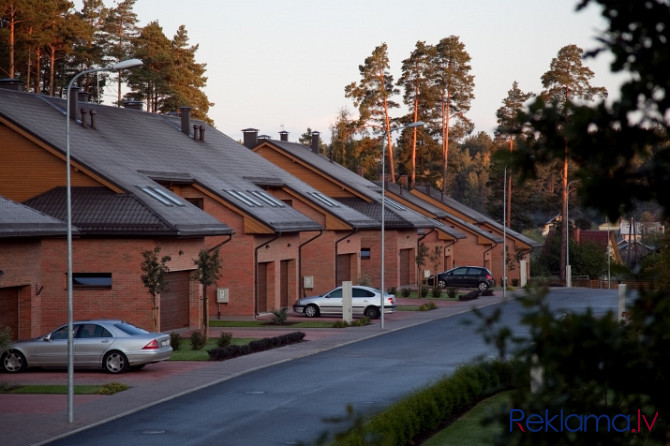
(129, 328)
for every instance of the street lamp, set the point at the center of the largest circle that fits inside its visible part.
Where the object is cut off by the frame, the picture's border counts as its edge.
(408, 126)
(68, 187)
(568, 268)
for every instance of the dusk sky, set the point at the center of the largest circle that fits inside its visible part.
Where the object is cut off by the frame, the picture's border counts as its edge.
(276, 65)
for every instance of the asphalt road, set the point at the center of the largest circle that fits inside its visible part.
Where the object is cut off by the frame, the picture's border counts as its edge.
(289, 403)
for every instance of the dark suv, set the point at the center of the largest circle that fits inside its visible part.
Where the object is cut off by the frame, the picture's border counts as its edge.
(465, 277)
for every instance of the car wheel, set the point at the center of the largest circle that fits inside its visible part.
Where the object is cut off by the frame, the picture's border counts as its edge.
(115, 362)
(483, 286)
(442, 283)
(311, 311)
(13, 362)
(372, 312)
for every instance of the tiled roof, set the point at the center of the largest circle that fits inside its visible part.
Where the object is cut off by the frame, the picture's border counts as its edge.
(370, 205)
(17, 220)
(133, 150)
(98, 211)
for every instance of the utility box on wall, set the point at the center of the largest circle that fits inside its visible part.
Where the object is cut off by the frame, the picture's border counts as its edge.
(308, 282)
(222, 295)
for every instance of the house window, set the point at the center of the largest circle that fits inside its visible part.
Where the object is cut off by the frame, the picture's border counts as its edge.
(197, 202)
(365, 253)
(91, 280)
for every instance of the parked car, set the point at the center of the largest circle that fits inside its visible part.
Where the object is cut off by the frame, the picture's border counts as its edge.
(465, 277)
(113, 345)
(365, 302)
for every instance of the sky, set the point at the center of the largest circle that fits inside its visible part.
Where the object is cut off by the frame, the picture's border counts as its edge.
(283, 65)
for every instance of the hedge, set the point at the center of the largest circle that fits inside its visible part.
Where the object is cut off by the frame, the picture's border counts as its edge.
(232, 351)
(425, 410)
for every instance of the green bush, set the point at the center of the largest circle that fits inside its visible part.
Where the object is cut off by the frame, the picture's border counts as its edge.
(405, 292)
(423, 411)
(436, 293)
(393, 290)
(197, 340)
(5, 338)
(361, 322)
(341, 324)
(423, 292)
(175, 341)
(452, 293)
(279, 316)
(428, 306)
(112, 388)
(224, 339)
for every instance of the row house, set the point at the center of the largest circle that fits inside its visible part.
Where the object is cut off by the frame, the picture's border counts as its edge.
(141, 181)
(464, 236)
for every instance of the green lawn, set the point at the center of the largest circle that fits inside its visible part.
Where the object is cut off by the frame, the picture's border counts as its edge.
(105, 389)
(305, 324)
(468, 429)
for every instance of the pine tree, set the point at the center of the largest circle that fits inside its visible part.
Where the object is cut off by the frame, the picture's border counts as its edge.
(372, 95)
(508, 127)
(568, 81)
(420, 95)
(456, 84)
(120, 30)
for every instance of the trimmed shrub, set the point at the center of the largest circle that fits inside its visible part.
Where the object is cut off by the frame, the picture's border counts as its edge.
(436, 293)
(452, 292)
(197, 340)
(225, 339)
(428, 306)
(175, 341)
(405, 292)
(232, 351)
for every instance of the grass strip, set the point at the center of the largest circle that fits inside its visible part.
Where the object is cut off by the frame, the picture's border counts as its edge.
(58, 389)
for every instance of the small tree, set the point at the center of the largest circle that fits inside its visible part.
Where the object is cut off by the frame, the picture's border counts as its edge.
(422, 253)
(154, 278)
(435, 258)
(208, 265)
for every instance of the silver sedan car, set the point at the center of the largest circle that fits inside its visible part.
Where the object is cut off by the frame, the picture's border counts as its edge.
(113, 345)
(365, 302)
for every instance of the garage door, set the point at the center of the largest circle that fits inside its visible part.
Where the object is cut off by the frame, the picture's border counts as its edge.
(9, 309)
(174, 301)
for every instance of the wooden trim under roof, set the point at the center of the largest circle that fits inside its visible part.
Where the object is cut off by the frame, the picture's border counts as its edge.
(261, 148)
(332, 223)
(61, 155)
(251, 224)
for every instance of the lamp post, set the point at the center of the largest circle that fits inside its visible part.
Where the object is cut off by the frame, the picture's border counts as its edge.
(504, 277)
(408, 126)
(68, 187)
(568, 269)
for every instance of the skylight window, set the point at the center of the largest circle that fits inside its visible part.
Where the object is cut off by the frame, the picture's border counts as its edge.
(394, 205)
(267, 198)
(244, 198)
(325, 200)
(161, 195)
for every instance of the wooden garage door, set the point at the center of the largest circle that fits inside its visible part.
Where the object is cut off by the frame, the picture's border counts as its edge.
(405, 260)
(174, 302)
(9, 309)
(343, 268)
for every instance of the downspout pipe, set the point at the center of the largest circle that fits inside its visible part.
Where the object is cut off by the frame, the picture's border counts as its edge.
(337, 242)
(279, 234)
(302, 284)
(484, 254)
(213, 248)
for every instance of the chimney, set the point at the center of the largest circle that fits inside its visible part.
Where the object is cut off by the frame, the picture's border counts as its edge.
(83, 117)
(359, 171)
(74, 93)
(92, 112)
(250, 137)
(202, 133)
(315, 142)
(283, 136)
(133, 105)
(404, 181)
(195, 132)
(185, 113)
(11, 84)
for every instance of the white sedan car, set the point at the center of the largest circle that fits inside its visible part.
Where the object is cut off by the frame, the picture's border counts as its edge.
(365, 302)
